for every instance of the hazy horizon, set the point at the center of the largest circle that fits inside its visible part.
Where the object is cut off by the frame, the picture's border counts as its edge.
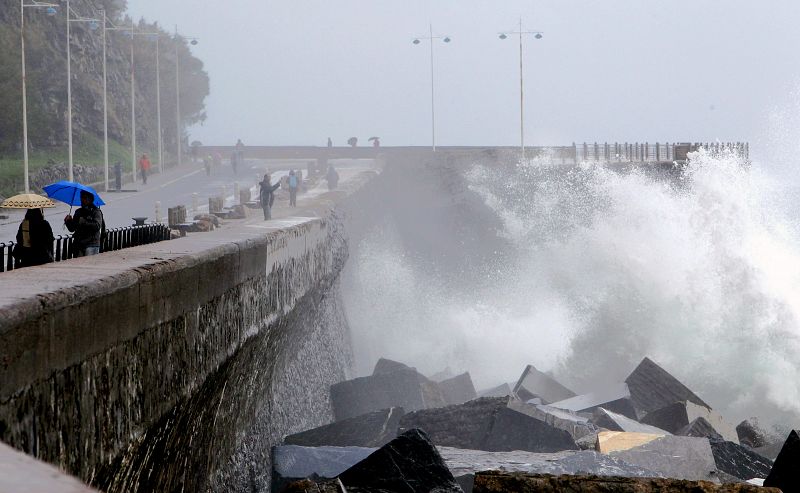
(627, 70)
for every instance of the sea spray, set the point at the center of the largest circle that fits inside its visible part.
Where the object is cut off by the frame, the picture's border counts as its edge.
(693, 268)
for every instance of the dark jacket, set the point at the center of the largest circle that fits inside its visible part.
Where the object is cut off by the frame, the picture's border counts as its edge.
(34, 242)
(267, 193)
(87, 226)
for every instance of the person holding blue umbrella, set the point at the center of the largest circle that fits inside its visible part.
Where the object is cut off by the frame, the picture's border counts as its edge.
(87, 224)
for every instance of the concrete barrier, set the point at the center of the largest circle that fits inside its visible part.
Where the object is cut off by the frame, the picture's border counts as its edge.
(178, 363)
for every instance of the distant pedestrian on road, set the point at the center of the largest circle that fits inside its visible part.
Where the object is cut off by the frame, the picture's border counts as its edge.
(118, 175)
(293, 184)
(267, 195)
(239, 151)
(332, 177)
(207, 165)
(144, 167)
(34, 240)
(234, 162)
(330, 142)
(87, 227)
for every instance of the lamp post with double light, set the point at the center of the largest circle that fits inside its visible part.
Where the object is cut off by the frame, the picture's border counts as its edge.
(51, 10)
(417, 41)
(536, 35)
(178, 121)
(93, 24)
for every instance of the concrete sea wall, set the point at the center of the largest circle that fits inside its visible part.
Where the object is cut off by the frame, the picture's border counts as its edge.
(175, 366)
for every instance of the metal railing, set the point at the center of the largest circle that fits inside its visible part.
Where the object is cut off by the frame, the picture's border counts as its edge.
(645, 152)
(114, 239)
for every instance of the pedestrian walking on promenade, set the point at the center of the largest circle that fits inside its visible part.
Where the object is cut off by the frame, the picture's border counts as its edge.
(207, 165)
(118, 175)
(330, 142)
(267, 195)
(332, 177)
(293, 184)
(34, 240)
(144, 167)
(87, 226)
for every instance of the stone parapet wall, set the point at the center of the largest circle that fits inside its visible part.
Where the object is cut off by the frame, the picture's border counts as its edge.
(101, 358)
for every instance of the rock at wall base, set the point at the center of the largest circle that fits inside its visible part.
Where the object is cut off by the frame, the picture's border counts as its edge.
(488, 424)
(401, 388)
(785, 473)
(700, 427)
(292, 462)
(368, 430)
(502, 482)
(409, 463)
(385, 365)
(577, 426)
(679, 415)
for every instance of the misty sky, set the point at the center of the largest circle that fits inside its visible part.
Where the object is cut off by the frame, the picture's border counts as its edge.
(298, 71)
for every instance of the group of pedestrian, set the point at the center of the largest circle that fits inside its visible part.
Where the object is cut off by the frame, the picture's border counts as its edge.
(35, 236)
(267, 192)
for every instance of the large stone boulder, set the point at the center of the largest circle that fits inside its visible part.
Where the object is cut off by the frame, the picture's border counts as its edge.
(700, 427)
(409, 463)
(615, 398)
(753, 435)
(293, 462)
(576, 425)
(533, 383)
(678, 415)
(404, 387)
(653, 388)
(617, 422)
(503, 482)
(488, 424)
(368, 430)
(785, 472)
(501, 390)
(385, 365)
(671, 456)
(458, 389)
(738, 461)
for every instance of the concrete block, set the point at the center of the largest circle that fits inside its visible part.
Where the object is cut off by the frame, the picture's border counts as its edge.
(671, 456)
(615, 441)
(616, 422)
(293, 462)
(512, 430)
(385, 365)
(653, 388)
(400, 388)
(458, 389)
(499, 391)
(699, 428)
(740, 462)
(679, 415)
(577, 426)
(533, 383)
(615, 398)
(368, 430)
(785, 473)
(409, 463)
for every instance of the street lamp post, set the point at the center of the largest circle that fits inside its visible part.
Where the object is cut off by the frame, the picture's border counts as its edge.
(51, 10)
(536, 35)
(93, 24)
(431, 38)
(150, 35)
(179, 127)
(105, 90)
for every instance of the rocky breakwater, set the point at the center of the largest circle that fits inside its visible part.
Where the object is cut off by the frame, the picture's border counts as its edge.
(176, 366)
(543, 435)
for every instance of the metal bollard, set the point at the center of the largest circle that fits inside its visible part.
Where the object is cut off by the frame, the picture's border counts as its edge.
(158, 211)
(195, 204)
(236, 196)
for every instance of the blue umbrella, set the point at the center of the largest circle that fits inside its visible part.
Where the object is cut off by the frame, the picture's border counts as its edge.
(70, 192)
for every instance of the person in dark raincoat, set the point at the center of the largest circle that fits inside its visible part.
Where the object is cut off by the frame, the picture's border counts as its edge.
(87, 227)
(332, 177)
(267, 195)
(34, 240)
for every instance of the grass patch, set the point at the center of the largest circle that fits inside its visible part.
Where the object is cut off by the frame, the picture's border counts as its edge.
(87, 151)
